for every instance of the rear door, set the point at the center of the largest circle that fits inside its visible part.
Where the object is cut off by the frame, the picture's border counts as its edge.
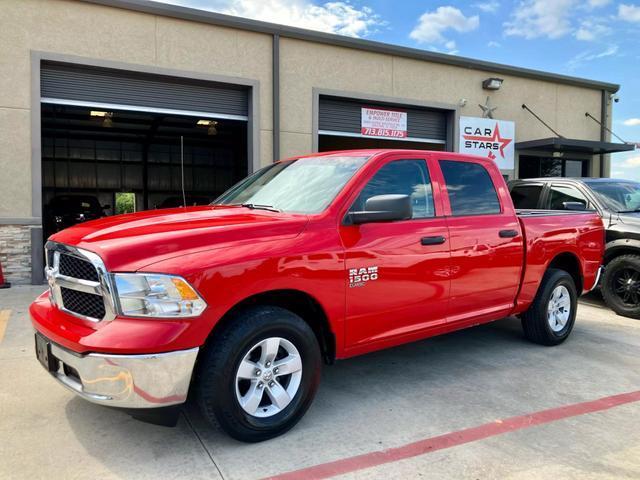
(398, 279)
(486, 241)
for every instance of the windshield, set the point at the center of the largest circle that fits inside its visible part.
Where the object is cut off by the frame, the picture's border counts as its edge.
(620, 197)
(306, 185)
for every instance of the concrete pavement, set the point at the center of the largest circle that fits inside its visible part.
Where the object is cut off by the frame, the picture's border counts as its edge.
(383, 400)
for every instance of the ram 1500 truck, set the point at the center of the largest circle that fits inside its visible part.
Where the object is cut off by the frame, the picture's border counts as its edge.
(236, 304)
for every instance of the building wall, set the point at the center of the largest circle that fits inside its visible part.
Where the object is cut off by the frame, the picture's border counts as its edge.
(103, 33)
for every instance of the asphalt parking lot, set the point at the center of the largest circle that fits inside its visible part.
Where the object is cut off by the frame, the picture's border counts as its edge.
(440, 408)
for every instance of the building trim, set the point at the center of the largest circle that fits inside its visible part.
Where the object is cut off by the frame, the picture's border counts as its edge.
(20, 221)
(275, 92)
(401, 139)
(452, 120)
(201, 16)
(135, 108)
(37, 57)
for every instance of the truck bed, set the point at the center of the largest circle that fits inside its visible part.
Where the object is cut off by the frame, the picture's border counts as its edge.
(547, 233)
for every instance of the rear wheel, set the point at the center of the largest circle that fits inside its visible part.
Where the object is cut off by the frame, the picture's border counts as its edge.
(552, 314)
(621, 285)
(260, 374)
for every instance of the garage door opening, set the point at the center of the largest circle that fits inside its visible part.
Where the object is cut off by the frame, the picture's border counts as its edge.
(98, 162)
(345, 123)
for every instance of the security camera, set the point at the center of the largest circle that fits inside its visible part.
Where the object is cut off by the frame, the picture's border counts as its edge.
(462, 102)
(615, 98)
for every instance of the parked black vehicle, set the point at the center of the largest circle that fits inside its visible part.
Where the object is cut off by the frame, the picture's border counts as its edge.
(64, 211)
(618, 203)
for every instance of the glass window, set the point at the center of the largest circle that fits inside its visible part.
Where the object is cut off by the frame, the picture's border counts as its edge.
(471, 191)
(306, 185)
(404, 177)
(573, 168)
(526, 196)
(619, 196)
(559, 194)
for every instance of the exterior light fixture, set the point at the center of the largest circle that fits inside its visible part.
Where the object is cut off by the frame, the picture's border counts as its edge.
(210, 124)
(100, 113)
(492, 83)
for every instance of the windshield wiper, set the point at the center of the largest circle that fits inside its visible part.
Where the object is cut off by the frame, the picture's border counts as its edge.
(257, 206)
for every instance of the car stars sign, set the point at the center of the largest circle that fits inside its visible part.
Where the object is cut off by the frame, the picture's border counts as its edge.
(383, 123)
(489, 138)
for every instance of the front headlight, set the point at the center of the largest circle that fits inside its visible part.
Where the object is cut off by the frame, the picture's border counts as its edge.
(155, 295)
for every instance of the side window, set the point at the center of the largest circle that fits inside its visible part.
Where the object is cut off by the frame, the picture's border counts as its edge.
(405, 177)
(526, 196)
(470, 189)
(558, 194)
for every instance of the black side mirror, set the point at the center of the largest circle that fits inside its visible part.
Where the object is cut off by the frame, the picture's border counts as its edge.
(383, 208)
(576, 206)
(106, 207)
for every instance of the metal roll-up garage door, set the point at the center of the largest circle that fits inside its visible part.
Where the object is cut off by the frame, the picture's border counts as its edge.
(342, 117)
(83, 85)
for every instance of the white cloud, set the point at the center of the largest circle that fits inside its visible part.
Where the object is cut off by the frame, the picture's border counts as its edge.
(590, 55)
(432, 25)
(591, 29)
(491, 6)
(493, 44)
(626, 165)
(632, 162)
(598, 3)
(540, 18)
(632, 122)
(629, 13)
(332, 17)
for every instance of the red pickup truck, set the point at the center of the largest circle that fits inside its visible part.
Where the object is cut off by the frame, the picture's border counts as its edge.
(324, 257)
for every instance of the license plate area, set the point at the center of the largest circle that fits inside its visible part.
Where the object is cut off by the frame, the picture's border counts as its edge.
(43, 353)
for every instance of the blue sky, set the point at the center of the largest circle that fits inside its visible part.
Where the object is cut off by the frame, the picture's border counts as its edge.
(595, 39)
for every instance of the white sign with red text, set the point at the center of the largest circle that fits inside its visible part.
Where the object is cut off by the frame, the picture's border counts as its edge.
(489, 138)
(383, 123)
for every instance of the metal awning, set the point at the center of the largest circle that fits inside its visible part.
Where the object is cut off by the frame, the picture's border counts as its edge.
(591, 147)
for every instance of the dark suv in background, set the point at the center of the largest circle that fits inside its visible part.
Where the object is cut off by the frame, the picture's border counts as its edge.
(618, 203)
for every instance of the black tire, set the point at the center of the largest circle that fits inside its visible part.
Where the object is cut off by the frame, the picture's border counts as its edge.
(215, 388)
(622, 300)
(535, 321)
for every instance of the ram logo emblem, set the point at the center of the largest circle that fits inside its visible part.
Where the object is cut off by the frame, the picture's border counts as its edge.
(358, 277)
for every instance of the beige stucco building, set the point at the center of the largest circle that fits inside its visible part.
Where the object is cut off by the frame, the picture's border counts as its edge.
(96, 95)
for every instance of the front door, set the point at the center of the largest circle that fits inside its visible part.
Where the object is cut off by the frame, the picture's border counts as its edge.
(398, 279)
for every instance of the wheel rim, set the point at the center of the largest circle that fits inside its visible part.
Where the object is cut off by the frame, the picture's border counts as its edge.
(626, 286)
(559, 308)
(268, 377)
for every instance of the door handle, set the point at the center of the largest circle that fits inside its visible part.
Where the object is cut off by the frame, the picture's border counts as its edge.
(439, 240)
(508, 233)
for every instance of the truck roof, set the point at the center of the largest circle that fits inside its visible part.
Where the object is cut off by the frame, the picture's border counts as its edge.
(585, 180)
(371, 152)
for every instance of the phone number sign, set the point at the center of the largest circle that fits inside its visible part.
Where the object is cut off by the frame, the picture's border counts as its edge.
(383, 123)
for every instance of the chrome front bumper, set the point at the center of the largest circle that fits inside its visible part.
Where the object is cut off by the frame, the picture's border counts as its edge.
(126, 381)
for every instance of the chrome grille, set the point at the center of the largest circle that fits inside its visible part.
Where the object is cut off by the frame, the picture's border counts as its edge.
(85, 304)
(77, 268)
(79, 283)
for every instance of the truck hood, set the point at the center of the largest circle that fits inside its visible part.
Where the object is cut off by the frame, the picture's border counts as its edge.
(130, 242)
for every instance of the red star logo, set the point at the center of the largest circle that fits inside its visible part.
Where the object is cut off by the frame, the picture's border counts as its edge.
(495, 138)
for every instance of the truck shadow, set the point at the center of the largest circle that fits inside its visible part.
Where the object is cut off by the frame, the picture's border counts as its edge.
(437, 385)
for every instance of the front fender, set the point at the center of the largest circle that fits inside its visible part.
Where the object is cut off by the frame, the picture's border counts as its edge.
(621, 246)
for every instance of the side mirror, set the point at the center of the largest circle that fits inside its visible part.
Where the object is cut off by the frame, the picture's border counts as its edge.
(383, 208)
(576, 206)
(106, 207)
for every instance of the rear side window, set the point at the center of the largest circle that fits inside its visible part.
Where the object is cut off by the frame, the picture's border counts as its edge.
(471, 191)
(526, 196)
(405, 177)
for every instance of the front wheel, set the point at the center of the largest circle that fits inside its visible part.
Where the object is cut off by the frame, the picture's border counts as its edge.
(621, 285)
(550, 318)
(260, 374)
